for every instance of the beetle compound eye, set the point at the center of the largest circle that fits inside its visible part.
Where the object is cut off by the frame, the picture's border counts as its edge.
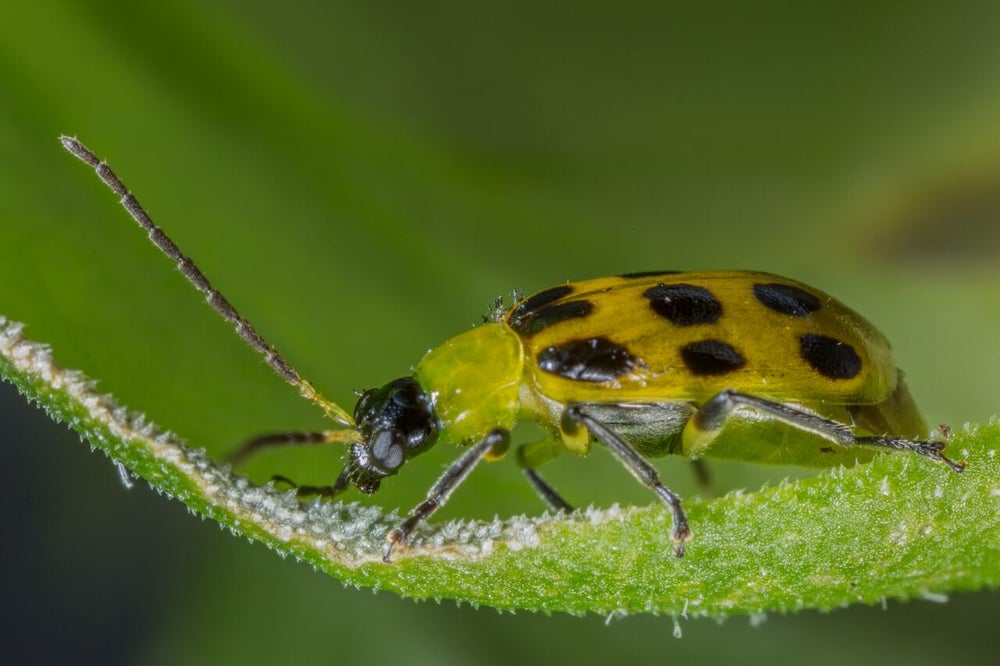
(387, 449)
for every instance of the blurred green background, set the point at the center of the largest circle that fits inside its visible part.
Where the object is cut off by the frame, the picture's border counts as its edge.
(362, 179)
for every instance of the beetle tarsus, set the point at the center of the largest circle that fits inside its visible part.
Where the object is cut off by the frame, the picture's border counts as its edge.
(957, 467)
(395, 538)
(935, 451)
(681, 535)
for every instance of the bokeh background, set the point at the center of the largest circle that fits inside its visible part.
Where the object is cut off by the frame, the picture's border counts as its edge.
(362, 179)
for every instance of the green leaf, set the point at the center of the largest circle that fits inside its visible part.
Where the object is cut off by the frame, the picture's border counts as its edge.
(899, 527)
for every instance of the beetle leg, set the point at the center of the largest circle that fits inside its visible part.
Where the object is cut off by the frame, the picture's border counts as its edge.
(531, 456)
(549, 495)
(295, 438)
(442, 489)
(713, 414)
(930, 449)
(702, 475)
(645, 473)
(342, 483)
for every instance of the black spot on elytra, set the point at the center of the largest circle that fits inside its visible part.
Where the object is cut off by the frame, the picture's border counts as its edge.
(538, 320)
(684, 304)
(829, 357)
(590, 360)
(539, 300)
(643, 274)
(786, 299)
(711, 357)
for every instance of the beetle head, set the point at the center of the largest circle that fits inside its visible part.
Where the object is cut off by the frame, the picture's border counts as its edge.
(396, 422)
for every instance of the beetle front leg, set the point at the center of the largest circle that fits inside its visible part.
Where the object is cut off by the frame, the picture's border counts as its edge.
(646, 474)
(293, 438)
(342, 483)
(298, 438)
(497, 440)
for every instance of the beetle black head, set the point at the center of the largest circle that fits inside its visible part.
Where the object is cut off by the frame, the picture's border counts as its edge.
(396, 422)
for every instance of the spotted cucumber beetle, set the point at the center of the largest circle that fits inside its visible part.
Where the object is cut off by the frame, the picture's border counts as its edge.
(647, 364)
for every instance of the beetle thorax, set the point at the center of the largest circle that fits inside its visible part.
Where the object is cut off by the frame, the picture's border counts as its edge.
(472, 380)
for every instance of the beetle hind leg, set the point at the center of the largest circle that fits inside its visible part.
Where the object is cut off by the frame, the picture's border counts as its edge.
(929, 449)
(709, 419)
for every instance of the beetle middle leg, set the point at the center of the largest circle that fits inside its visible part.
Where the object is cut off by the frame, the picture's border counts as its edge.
(531, 456)
(575, 416)
(703, 476)
(712, 415)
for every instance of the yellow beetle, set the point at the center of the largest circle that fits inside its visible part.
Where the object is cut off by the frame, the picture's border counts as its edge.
(721, 364)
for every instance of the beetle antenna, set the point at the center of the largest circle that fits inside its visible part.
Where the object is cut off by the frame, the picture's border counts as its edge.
(194, 275)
